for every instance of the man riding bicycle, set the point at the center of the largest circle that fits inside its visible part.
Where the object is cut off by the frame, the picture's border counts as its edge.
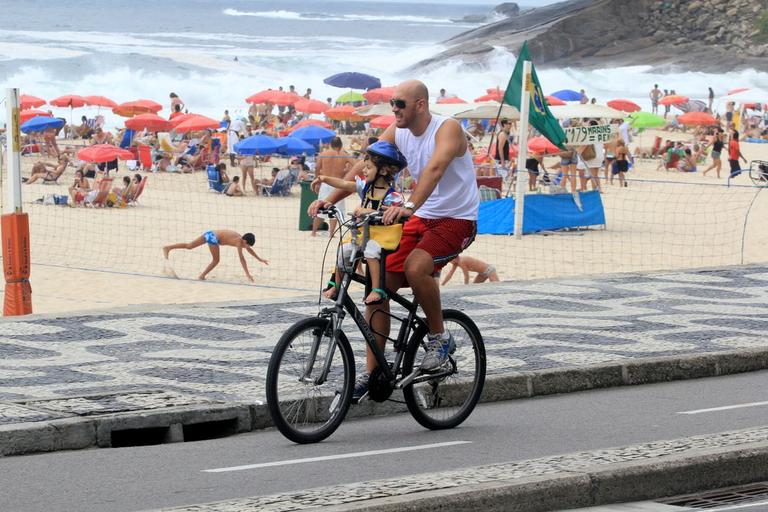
(442, 213)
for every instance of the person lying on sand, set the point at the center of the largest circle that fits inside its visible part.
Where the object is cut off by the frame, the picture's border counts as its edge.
(215, 239)
(40, 171)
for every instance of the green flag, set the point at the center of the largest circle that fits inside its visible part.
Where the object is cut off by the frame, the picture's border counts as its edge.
(539, 115)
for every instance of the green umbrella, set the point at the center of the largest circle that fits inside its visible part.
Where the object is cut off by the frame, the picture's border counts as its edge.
(646, 120)
(351, 97)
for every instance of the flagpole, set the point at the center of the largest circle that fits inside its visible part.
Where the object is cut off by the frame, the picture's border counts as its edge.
(522, 154)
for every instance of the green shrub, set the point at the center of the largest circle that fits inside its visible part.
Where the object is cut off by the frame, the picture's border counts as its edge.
(761, 24)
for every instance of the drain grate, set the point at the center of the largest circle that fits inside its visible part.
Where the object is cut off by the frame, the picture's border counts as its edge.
(721, 497)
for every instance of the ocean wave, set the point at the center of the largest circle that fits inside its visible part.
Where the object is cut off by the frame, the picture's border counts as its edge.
(292, 15)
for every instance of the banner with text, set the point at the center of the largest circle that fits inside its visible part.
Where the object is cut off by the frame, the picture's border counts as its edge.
(585, 135)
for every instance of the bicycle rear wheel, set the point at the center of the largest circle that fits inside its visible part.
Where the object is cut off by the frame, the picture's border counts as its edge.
(303, 409)
(446, 398)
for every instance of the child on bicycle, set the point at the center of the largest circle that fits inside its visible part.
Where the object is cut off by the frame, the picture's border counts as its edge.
(377, 190)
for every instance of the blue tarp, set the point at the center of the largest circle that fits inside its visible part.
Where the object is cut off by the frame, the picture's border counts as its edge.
(542, 212)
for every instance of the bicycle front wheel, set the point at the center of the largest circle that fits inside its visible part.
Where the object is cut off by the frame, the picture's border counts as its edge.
(445, 398)
(305, 406)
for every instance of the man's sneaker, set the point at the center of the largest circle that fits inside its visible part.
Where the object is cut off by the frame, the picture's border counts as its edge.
(438, 348)
(361, 387)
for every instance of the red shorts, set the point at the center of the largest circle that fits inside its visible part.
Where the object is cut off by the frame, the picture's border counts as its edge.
(443, 239)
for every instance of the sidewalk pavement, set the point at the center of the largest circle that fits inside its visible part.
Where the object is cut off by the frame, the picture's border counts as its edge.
(103, 371)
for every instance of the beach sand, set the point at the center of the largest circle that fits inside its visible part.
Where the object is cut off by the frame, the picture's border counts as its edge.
(97, 258)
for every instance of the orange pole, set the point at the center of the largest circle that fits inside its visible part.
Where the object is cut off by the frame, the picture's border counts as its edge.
(16, 264)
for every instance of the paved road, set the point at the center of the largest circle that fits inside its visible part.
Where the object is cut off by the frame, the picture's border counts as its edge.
(130, 479)
(219, 353)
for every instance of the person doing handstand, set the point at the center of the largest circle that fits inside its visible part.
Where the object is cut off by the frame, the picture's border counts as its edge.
(216, 238)
(383, 162)
(485, 271)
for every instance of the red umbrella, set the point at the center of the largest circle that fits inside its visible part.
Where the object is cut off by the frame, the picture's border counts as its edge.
(496, 95)
(493, 90)
(28, 101)
(69, 100)
(442, 101)
(382, 121)
(99, 101)
(554, 101)
(26, 115)
(310, 122)
(176, 121)
(697, 119)
(737, 90)
(311, 106)
(104, 153)
(151, 122)
(196, 124)
(261, 96)
(542, 145)
(342, 113)
(132, 108)
(673, 99)
(380, 95)
(285, 98)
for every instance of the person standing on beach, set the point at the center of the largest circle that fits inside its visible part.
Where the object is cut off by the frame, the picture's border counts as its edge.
(584, 98)
(215, 239)
(655, 96)
(734, 153)
(717, 149)
(175, 100)
(666, 107)
(332, 162)
(502, 146)
(711, 98)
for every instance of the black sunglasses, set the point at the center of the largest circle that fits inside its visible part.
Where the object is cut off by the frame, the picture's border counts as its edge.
(401, 104)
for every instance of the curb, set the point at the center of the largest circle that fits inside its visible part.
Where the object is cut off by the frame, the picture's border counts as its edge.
(197, 422)
(592, 486)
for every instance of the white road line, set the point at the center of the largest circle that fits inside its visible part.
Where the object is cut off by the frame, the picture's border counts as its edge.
(745, 505)
(725, 408)
(336, 457)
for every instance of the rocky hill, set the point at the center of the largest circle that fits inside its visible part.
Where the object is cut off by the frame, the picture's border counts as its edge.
(700, 35)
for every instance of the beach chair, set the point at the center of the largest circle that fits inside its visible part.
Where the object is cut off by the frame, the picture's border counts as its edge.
(145, 157)
(488, 193)
(214, 179)
(128, 134)
(101, 196)
(134, 201)
(280, 187)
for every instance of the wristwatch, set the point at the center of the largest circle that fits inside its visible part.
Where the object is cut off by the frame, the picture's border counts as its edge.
(410, 206)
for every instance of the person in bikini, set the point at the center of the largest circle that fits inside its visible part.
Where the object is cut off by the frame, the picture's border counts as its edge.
(215, 239)
(376, 191)
(47, 172)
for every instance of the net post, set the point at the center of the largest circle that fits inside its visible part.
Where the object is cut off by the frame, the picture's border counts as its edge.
(522, 154)
(15, 223)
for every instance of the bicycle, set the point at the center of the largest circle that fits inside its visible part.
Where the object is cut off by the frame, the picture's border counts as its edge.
(311, 373)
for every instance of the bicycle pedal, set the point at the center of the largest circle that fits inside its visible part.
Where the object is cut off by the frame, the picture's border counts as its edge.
(357, 401)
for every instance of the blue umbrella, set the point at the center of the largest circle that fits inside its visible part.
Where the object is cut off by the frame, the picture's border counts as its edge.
(314, 134)
(567, 95)
(353, 80)
(294, 146)
(258, 145)
(41, 123)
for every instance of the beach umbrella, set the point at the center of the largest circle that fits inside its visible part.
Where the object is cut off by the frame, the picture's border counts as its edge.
(646, 120)
(99, 101)
(353, 80)
(311, 106)
(69, 100)
(314, 134)
(309, 122)
(27, 101)
(542, 145)
(738, 90)
(134, 108)
(196, 124)
(260, 97)
(697, 119)
(380, 95)
(488, 110)
(492, 90)
(176, 121)
(285, 98)
(41, 123)
(554, 101)
(382, 121)
(26, 115)
(673, 99)
(624, 105)
(567, 95)
(587, 110)
(100, 153)
(445, 101)
(344, 113)
(294, 146)
(151, 122)
(496, 95)
(351, 97)
(258, 145)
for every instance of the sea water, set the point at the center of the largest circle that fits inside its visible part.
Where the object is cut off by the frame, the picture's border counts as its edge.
(215, 54)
